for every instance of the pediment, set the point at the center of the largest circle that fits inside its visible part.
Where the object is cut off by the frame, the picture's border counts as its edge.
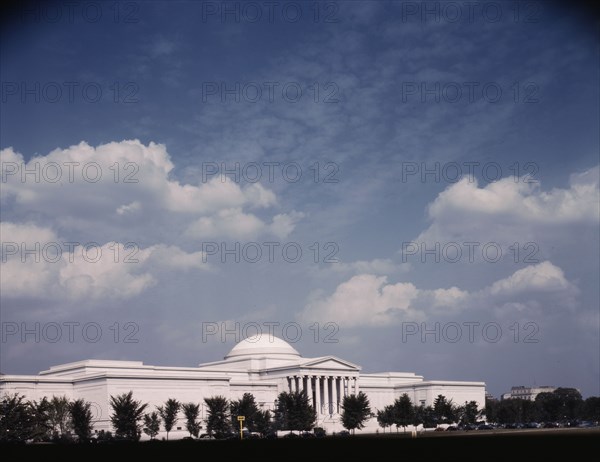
(330, 362)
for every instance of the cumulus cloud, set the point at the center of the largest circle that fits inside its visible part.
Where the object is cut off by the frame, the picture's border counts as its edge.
(370, 300)
(511, 207)
(228, 223)
(129, 208)
(37, 263)
(90, 189)
(542, 277)
(236, 224)
(364, 299)
(284, 223)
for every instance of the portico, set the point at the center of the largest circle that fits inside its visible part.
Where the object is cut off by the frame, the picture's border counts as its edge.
(325, 392)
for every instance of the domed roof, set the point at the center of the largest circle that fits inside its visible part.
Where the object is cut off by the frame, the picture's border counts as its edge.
(263, 345)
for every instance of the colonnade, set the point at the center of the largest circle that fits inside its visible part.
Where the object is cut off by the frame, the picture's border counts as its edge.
(325, 392)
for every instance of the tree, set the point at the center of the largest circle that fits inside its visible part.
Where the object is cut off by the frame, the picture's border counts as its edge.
(529, 411)
(385, 417)
(246, 407)
(191, 411)
(491, 409)
(426, 416)
(81, 418)
(217, 423)
(509, 411)
(356, 410)
(444, 410)
(548, 405)
(60, 416)
(262, 422)
(294, 412)
(152, 424)
(561, 404)
(41, 429)
(515, 410)
(16, 419)
(126, 416)
(591, 408)
(469, 413)
(169, 414)
(570, 402)
(403, 412)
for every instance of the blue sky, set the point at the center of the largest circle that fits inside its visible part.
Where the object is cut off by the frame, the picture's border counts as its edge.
(347, 110)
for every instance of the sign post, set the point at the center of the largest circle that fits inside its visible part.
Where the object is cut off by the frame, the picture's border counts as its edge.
(241, 419)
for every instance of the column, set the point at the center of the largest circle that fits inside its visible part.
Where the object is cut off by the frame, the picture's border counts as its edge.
(289, 381)
(318, 394)
(356, 385)
(309, 389)
(334, 394)
(329, 398)
(323, 381)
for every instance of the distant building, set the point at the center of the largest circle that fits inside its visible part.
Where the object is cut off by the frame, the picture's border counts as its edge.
(262, 365)
(527, 392)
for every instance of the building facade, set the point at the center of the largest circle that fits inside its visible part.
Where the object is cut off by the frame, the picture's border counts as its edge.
(262, 365)
(529, 393)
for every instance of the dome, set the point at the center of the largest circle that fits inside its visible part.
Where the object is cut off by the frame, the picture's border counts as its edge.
(263, 345)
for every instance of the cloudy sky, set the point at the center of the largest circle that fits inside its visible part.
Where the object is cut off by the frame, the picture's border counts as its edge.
(409, 186)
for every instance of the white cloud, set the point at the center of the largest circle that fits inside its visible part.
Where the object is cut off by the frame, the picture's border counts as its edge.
(27, 233)
(542, 277)
(37, 263)
(89, 189)
(364, 299)
(172, 257)
(369, 300)
(510, 208)
(111, 276)
(283, 224)
(228, 224)
(235, 224)
(129, 208)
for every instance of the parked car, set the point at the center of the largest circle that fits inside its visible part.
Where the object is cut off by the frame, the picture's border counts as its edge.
(319, 432)
(532, 425)
(485, 427)
(551, 425)
(452, 428)
(586, 424)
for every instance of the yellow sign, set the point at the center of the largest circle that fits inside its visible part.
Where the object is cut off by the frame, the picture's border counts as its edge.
(241, 418)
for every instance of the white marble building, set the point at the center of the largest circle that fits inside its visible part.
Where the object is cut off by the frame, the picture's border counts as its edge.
(261, 365)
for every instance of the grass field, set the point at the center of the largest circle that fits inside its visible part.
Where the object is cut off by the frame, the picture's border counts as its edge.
(507, 445)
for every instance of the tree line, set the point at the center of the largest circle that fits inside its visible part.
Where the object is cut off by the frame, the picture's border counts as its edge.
(61, 420)
(563, 405)
(403, 413)
(56, 419)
